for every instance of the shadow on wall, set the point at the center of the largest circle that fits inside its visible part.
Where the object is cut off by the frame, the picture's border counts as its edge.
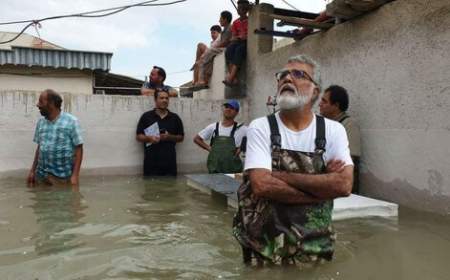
(400, 191)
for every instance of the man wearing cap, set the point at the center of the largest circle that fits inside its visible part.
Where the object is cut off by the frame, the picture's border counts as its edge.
(225, 139)
(334, 105)
(156, 82)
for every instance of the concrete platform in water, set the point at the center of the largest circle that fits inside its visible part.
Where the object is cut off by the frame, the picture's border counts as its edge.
(224, 188)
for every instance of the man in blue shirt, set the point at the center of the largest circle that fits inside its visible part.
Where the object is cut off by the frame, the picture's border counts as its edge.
(60, 146)
(156, 82)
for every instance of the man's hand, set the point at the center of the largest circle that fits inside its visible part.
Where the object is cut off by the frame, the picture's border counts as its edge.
(164, 136)
(31, 179)
(278, 175)
(335, 165)
(267, 184)
(153, 139)
(147, 91)
(201, 143)
(74, 180)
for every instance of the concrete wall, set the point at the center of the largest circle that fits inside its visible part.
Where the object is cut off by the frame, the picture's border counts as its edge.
(38, 79)
(217, 90)
(109, 125)
(395, 64)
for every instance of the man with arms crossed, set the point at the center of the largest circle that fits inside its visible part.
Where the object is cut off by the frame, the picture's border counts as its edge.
(296, 164)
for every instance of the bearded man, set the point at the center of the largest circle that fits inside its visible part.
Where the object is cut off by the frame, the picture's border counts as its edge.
(296, 164)
(59, 153)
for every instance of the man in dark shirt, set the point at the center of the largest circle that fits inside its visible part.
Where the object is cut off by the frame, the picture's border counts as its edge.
(160, 156)
(156, 82)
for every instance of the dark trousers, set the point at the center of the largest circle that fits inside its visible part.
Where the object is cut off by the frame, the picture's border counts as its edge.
(236, 52)
(355, 188)
(160, 163)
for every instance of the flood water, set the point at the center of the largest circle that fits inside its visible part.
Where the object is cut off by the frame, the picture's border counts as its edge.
(131, 228)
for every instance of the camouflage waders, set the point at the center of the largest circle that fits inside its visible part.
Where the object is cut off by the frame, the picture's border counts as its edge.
(278, 232)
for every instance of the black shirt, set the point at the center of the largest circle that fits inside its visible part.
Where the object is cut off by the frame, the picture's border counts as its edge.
(160, 158)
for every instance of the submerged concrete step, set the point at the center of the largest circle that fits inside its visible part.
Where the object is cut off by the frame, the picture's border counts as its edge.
(354, 206)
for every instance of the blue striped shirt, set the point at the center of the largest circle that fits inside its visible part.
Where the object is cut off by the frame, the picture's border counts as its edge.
(57, 140)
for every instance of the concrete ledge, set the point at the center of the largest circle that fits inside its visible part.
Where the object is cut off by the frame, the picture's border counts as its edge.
(217, 90)
(354, 206)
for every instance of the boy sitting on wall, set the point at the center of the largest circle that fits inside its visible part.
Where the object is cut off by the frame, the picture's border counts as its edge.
(237, 50)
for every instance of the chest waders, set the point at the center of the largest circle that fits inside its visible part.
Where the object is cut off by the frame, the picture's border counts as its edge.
(222, 158)
(277, 232)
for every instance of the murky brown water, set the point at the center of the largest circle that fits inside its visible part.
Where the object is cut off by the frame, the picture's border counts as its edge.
(130, 228)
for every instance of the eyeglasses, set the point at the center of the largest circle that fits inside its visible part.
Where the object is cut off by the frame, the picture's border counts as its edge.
(297, 74)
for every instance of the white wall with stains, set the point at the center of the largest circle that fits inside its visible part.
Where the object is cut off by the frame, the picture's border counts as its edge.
(109, 126)
(395, 64)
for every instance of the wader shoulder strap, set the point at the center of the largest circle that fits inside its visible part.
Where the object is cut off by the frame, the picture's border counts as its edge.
(275, 137)
(320, 141)
(235, 127)
(343, 119)
(275, 141)
(215, 134)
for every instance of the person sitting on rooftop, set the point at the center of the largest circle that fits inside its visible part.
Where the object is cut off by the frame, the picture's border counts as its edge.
(156, 82)
(207, 59)
(237, 50)
(202, 48)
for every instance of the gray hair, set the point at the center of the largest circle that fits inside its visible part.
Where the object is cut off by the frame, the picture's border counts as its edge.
(301, 58)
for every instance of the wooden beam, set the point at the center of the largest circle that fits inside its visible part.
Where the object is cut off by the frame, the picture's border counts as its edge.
(291, 13)
(275, 33)
(284, 23)
(300, 21)
(282, 34)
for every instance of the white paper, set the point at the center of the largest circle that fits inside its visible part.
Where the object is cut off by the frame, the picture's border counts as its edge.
(152, 130)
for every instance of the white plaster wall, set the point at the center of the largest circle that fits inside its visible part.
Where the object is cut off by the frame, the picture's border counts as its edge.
(109, 125)
(74, 83)
(216, 90)
(395, 64)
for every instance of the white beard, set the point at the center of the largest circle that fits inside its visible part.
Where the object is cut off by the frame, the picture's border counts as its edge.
(290, 100)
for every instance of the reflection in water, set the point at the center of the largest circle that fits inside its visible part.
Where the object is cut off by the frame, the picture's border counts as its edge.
(130, 228)
(56, 209)
(187, 235)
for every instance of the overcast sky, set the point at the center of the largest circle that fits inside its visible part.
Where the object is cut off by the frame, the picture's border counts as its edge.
(139, 37)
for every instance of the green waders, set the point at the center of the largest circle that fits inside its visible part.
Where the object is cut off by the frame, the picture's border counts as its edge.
(222, 158)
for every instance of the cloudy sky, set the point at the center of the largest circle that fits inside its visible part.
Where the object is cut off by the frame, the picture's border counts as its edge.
(139, 37)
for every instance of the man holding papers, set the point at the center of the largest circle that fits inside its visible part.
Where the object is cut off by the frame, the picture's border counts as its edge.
(159, 130)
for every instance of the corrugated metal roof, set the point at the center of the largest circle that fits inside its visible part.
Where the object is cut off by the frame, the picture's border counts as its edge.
(69, 59)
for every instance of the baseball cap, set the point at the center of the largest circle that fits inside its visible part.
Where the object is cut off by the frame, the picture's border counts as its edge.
(233, 103)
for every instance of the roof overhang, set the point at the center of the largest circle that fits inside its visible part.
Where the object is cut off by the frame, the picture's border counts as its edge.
(68, 59)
